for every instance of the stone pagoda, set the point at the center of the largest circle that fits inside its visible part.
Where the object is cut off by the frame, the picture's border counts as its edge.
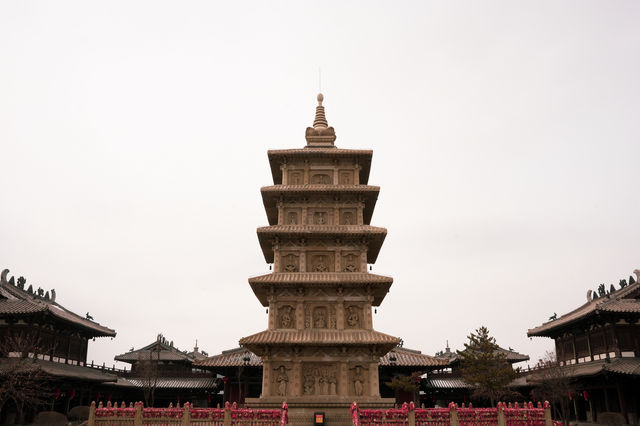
(320, 351)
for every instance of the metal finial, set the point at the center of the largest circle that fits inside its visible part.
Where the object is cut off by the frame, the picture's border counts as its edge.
(320, 99)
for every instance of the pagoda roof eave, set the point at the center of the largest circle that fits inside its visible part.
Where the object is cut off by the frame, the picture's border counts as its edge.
(319, 337)
(276, 156)
(374, 236)
(271, 195)
(379, 285)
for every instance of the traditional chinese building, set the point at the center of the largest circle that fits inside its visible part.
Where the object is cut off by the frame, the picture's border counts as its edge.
(54, 340)
(242, 372)
(598, 347)
(168, 372)
(320, 348)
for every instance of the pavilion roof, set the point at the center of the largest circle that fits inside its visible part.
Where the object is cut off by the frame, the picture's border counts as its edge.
(160, 350)
(277, 156)
(623, 302)
(510, 355)
(405, 357)
(379, 284)
(16, 302)
(623, 366)
(173, 382)
(373, 235)
(271, 195)
(231, 358)
(60, 370)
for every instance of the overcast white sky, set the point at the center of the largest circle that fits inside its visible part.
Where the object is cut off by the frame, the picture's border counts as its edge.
(133, 139)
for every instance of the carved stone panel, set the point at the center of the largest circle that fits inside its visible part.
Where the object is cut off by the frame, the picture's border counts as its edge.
(323, 177)
(290, 262)
(295, 177)
(319, 379)
(320, 217)
(351, 262)
(348, 217)
(292, 216)
(320, 262)
(346, 177)
(358, 380)
(353, 316)
(286, 316)
(320, 316)
(281, 377)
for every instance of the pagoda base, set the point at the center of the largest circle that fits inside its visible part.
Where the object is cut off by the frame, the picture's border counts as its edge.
(336, 409)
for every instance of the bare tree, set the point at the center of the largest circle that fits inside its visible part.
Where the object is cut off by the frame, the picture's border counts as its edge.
(22, 381)
(148, 370)
(553, 382)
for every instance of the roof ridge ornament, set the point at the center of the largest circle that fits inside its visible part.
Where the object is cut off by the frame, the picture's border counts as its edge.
(320, 135)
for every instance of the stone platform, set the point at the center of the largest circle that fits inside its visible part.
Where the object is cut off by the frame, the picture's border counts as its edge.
(335, 408)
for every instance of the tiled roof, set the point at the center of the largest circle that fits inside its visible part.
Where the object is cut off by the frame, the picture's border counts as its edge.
(510, 355)
(626, 366)
(271, 195)
(160, 350)
(231, 358)
(16, 302)
(319, 337)
(411, 358)
(374, 235)
(173, 382)
(621, 301)
(378, 284)
(276, 155)
(321, 277)
(404, 357)
(65, 371)
(445, 383)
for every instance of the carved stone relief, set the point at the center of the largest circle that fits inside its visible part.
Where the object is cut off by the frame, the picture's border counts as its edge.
(281, 380)
(291, 216)
(295, 177)
(320, 262)
(320, 217)
(286, 316)
(321, 178)
(319, 379)
(320, 316)
(290, 262)
(348, 217)
(351, 262)
(353, 315)
(346, 177)
(358, 380)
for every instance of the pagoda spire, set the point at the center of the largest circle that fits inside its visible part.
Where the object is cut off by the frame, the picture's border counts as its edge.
(320, 135)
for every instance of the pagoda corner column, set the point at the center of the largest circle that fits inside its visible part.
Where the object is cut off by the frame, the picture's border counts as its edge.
(296, 385)
(266, 378)
(340, 314)
(374, 387)
(343, 383)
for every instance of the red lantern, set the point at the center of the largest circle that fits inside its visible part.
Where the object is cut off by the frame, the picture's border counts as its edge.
(570, 396)
(57, 394)
(98, 397)
(72, 394)
(585, 394)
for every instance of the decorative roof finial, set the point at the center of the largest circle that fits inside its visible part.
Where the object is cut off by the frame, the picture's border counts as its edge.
(320, 135)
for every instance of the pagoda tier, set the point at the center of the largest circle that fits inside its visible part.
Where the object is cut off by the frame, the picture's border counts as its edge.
(346, 241)
(342, 197)
(280, 158)
(335, 282)
(320, 344)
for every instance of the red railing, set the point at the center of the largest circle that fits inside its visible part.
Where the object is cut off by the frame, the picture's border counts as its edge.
(137, 415)
(502, 415)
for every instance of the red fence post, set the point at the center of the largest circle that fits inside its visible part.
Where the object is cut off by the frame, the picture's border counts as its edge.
(453, 415)
(547, 414)
(137, 420)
